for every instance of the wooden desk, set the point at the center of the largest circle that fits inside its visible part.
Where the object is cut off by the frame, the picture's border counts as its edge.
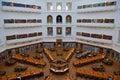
(22, 74)
(29, 60)
(98, 67)
(49, 54)
(88, 60)
(68, 77)
(96, 74)
(49, 77)
(107, 61)
(69, 54)
(10, 62)
(20, 68)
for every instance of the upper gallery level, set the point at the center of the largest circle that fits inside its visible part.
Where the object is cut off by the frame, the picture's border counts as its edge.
(12, 23)
(59, 6)
(101, 23)
(37, 6)
(97, 7)
(20, 7)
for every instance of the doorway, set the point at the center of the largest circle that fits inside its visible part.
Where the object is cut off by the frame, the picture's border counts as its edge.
(59, 43)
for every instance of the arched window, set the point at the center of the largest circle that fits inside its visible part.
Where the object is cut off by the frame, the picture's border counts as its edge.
(68, 19)
(49, 19)
(49, 6)
(59, 19)
(59, 6)
(68, 6)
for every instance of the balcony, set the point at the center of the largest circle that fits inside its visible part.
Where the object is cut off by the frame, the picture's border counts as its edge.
(53, 39)
(15, 41)
(95, 40)
(98, 9)
(96, 25)
(12, 23)
(16, 25)
(20, 9)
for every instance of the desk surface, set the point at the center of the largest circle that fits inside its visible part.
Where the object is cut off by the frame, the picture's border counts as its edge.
(69, 54)
(50, 77)
(27, 59)
(22, 74)
(49, 54)
(68, 77)
(96, 74)
(90, 59)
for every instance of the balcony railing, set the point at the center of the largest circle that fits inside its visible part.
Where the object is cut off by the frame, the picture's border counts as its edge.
(94, 42)
(21, 36)
(16, 41)
(104, 41)
(105, 6)
(108, 23)
(11, 23)
(19, 7)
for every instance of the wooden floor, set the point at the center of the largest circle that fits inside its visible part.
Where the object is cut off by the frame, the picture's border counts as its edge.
(10, 69)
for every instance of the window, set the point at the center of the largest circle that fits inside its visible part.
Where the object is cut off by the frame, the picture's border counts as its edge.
(68, 30)
(59, 19)
(68, 19)
(49, 6)
(50, 31)
(49, 19)
(68, 6)
(59, 30)
(59, 6)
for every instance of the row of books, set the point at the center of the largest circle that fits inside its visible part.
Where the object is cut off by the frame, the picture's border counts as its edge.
(92, 35)
(22, 21)
(95, 20)
(20, 36)
(13, 4)
(97, 5)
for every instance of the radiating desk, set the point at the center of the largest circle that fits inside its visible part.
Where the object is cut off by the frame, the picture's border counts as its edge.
(29, 60)
(49, 54)
(95, 74)
(88, 60)
(22, 74)
(69, 54)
